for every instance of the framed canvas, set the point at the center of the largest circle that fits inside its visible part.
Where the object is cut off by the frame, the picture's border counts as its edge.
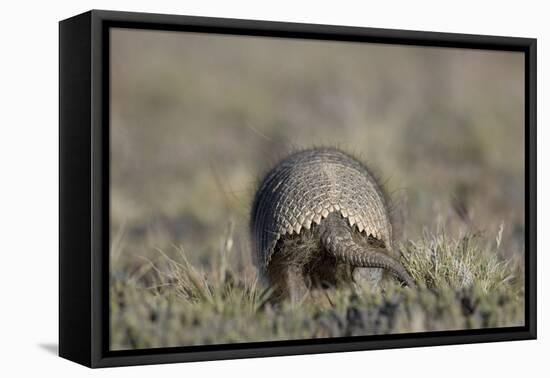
(233, 188)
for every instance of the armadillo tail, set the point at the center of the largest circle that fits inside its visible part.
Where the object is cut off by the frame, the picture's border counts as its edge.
(337, 240)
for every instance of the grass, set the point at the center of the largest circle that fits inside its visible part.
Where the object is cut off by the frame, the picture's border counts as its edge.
(463, 283)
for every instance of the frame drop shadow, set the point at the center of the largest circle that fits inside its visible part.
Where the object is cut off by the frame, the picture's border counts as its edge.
(50, 348)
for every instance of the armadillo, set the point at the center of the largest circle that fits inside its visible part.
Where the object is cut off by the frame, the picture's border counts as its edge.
(319, 217)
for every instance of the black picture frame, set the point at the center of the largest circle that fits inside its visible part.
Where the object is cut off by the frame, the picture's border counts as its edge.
(84, 187)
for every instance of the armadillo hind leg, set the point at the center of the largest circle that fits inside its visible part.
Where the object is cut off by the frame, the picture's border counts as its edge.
(296, 286)
(370, 277)
(337, 239)
(287, 279)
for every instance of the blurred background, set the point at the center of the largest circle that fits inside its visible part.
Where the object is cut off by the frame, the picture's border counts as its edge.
(196, 119)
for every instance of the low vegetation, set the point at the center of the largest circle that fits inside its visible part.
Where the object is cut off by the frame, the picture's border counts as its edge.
(463, 284)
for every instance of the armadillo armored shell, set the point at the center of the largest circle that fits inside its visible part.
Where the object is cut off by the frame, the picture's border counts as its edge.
(307, 186)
